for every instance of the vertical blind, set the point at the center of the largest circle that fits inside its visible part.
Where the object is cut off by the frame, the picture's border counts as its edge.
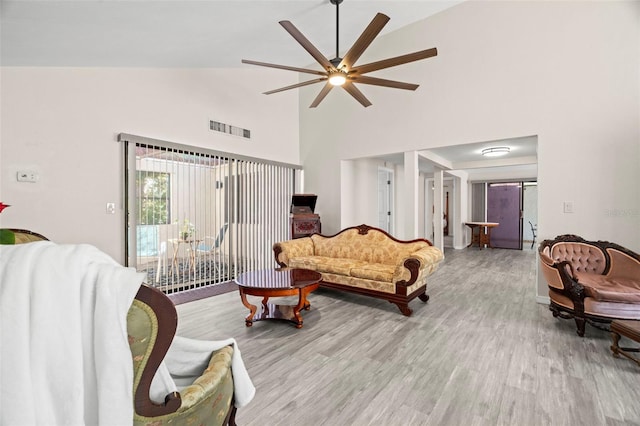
(197, 217)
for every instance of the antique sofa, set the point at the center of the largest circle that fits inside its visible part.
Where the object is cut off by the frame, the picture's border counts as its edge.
(590, 281)
(365, 260)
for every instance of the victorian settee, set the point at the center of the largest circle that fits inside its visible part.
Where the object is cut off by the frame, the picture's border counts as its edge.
(590, 281)
(367, 261)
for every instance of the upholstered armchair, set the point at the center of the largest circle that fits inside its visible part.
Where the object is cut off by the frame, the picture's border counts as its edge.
(203, 391)
(151, 325)
(590, 281)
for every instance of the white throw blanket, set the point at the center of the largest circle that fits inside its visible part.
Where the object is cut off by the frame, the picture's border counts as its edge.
(64, 354)
(64, 351)
(185, 361)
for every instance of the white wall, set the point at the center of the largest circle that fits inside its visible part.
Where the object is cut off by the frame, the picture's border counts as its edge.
(62, 123)
(565, 71)
(529, 211)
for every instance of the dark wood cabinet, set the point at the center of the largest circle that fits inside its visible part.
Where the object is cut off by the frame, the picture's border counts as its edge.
(303, 220)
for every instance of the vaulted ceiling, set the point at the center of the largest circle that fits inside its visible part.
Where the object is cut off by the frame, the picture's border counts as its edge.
(207, 34)
(186, 34)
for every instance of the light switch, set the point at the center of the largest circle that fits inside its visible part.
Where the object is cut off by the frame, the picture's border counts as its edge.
(568, 206)
(27, 176)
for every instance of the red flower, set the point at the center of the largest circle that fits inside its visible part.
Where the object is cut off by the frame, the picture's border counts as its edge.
(3, 206)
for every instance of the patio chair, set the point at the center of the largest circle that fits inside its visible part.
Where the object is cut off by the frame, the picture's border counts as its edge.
(534, 230)
(210, 247)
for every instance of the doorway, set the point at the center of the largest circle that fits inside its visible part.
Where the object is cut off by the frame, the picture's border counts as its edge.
(504, 206)
(385, 199)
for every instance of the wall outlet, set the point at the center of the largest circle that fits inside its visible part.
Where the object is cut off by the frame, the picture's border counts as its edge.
(568, 206)
(111, 208)
(27, 176)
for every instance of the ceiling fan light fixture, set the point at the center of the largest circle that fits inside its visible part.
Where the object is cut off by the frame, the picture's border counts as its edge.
(496, 151)
(337, 78)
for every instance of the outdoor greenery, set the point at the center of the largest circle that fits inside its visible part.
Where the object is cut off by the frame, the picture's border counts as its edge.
(153, 198)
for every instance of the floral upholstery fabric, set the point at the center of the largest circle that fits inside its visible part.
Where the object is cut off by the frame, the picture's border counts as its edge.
(374, 271)
(296, 248)
(205, 402)
(23, 236)
(429, 258)
(374, 247)
(384, 287)
(372, 261)
(326, 264)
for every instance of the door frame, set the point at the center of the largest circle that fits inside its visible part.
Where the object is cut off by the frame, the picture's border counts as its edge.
(390, 192)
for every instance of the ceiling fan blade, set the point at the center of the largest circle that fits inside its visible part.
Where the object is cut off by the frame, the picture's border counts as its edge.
(365, 39)
(283, 67)
(356, 93)
(325, 90)
(304, 42)
(392, 62)
(295, 86)
(382, 82)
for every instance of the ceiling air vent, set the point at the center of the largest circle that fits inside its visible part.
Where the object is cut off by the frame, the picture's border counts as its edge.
(229, 129)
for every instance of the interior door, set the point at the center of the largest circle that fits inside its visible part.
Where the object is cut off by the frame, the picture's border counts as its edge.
(385, 177)
(504, 206)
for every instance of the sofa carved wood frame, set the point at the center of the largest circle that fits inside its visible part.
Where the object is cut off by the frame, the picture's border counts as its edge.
(401, 299)
(575, 291)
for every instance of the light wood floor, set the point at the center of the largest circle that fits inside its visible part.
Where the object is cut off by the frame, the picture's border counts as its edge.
(480, 352)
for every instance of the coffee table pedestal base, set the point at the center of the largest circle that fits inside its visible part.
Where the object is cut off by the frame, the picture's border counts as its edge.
(271, 311)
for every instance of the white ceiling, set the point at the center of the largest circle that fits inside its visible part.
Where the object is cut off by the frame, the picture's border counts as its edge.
(521, 160)
(211, 34)
(187, 34)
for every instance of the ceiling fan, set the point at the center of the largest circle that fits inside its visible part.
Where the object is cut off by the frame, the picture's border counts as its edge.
(343, 71)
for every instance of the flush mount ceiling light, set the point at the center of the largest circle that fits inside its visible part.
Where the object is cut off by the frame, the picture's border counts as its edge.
(496, 151)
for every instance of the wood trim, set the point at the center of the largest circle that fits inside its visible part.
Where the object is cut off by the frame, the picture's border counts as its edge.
(277, 249)
(167, 318)
(402, 301)
(364, 230)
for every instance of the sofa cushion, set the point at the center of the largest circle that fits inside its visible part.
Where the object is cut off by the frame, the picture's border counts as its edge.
(381, 286)
(610, 289)
(374, 271)
(326, 264)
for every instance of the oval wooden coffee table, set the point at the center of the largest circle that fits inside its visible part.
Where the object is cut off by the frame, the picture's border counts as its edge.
(277, 283)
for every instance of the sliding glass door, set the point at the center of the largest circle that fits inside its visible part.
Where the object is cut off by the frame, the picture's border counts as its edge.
(199, 217)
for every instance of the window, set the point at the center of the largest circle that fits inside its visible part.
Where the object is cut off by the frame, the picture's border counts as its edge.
(153, 198)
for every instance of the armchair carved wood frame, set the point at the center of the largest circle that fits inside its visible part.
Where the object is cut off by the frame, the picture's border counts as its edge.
(210, 407)
(591, 282)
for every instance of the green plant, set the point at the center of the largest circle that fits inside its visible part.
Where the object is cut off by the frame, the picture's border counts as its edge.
(7, 236)
(186, 229)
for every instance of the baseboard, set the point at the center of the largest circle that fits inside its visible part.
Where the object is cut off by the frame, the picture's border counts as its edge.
(543, 300)
(202, 292)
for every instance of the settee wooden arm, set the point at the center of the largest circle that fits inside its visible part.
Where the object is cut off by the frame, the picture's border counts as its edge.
(572, 287)
(413, 265)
